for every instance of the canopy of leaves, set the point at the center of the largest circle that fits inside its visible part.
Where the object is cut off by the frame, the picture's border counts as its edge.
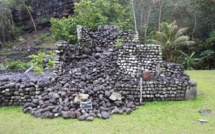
(90, 14)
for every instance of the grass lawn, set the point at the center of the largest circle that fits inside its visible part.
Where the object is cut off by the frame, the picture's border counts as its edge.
(178, 117)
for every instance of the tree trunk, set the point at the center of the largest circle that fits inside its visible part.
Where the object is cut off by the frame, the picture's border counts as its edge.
(168, 55)
(3, 33)
(195, 24)
(147, 22)
(32, 19)
(160, 13)
(135, 22)
(141, 17)
(12, 26)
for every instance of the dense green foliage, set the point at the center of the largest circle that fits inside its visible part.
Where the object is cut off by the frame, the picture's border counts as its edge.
(64, 29)
(90, 14)
(17, 65)
(39, 62)
(197, 15)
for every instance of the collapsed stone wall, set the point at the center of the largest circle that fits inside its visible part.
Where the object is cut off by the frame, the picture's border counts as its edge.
(172, 83)
(108, 77)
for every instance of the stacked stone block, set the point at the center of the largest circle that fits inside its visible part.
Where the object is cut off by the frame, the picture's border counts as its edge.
(135, 57)
(59, 65)
(105, 36)
(17, 89)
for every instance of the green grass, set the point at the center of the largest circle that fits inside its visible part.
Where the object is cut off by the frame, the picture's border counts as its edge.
(178, 117)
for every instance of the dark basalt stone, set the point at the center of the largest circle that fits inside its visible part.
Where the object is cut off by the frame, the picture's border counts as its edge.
(105, 115)
(78, 114)
(83, 117)
(72, 114)
(205, 111)
(32, 105)
(65, 114)
(90, 118)
(27, 110)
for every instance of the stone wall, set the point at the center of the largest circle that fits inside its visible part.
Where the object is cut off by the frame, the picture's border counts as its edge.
(172, 83)
(20, 88)
(135, 57)
(161, 90)
(105, 36)
(97, 64)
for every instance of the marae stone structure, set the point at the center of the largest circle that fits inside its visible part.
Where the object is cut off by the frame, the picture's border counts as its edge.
(107, 76)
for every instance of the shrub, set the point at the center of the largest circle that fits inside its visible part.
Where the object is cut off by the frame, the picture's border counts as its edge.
(39, 61)
(90, 14)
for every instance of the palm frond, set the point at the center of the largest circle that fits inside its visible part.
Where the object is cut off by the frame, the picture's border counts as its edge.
(181, 39)
(154, 41)
(183, 53)
(186, 43)
(160, 35)
(181, 31)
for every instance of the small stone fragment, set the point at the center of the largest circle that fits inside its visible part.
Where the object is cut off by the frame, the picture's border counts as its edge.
(115, 96)
(105, 115)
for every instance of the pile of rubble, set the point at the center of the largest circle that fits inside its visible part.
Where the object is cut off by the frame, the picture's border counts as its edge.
(97, 79)
(85, 75)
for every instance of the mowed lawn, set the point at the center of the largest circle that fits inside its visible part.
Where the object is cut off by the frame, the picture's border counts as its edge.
(178, 117)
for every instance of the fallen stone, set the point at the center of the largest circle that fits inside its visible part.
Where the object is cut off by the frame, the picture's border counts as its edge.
(90, 118)
(202, 121)
(32, 105)
(115, 96)
(82, 117)
(27, 110)
(80, 97)
(205, 111)
(105, 115)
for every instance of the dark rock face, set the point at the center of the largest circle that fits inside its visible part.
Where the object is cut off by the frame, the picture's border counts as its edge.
(42, 11)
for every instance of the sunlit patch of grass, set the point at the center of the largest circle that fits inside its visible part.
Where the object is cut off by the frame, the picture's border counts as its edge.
(178, 117)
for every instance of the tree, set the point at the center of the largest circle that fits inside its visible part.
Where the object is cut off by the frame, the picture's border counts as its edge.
(206, 16)
(161, 4)
(170, 37)
(90, 14)
(28, 8)
(135, 21)
(6, 23)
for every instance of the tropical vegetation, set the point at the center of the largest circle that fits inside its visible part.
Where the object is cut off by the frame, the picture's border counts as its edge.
(170, 37)
(187, 24)
(90, 14)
